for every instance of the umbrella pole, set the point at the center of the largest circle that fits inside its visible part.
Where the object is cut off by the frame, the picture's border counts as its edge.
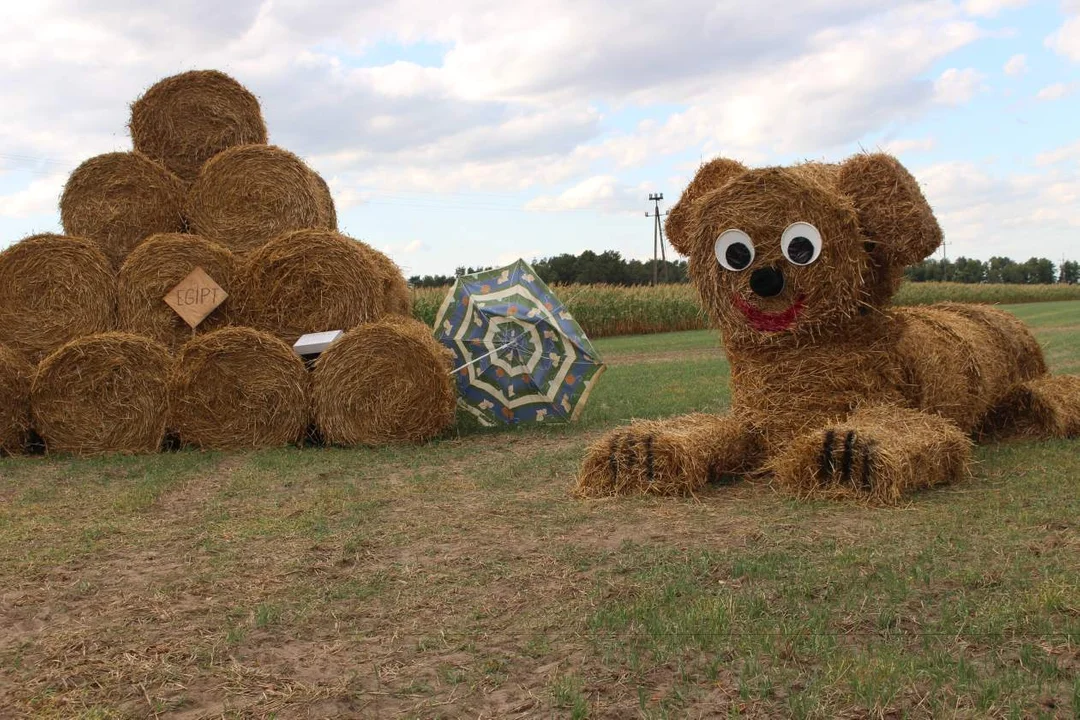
(488, 354)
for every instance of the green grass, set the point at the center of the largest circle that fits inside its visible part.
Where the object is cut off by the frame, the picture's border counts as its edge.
(462, 579)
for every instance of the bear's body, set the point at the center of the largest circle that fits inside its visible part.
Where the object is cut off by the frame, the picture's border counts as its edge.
(833, 391)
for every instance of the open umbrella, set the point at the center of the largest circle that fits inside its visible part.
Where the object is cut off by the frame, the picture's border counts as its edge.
(520, 356)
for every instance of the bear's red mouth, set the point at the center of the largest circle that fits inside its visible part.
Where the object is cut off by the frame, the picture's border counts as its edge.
(770, 321)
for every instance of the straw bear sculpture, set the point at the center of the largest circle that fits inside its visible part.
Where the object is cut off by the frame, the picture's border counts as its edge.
(834, 392)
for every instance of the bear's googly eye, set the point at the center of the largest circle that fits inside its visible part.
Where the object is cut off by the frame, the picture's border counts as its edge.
(734, 250)
(801, 243)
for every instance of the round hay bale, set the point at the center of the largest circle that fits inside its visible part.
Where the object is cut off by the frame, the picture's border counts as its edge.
(249, 194)
(239, 388)
(15, 374)
(310, 281)
(383, 383)
(102, 394)
(54, 289)
(327, 200)
(396, 296)
(153, 269)
(186, 119)
(119, 199)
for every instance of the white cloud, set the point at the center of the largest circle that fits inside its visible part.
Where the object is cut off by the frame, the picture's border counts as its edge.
(38, 198)
(522, 99)
(848, 81)
(1057, 91)
(1066, 39)
(1061, 154)
(603, 193)
(909, 145)
(1016, 65)
(516, 88)
(985, 213)
(410, 248)
(957, 87)
(990, 8)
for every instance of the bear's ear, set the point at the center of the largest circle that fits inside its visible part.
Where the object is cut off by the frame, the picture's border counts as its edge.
(710, 176)
(892, 211)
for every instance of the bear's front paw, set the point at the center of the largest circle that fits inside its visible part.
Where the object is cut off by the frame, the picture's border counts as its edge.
(846, 459)
(641, 458)
(881, 454)
(832, 461)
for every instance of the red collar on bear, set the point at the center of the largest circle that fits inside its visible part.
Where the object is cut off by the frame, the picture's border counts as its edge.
(770, 322)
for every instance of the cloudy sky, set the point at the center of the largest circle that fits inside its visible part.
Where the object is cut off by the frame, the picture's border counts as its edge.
(472, 132)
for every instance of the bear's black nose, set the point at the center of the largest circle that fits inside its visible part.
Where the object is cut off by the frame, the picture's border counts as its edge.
(767, 282)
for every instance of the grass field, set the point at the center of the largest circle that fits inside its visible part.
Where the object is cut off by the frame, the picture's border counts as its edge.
(609, 310)
(462, 580)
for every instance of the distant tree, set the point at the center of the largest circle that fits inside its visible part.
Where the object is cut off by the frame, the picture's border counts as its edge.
(968, 270)
(431, 280)
(1006, 270)
(998, 270)
(925, 271)
(1039, 271)
(1069, 272)
(608, 267)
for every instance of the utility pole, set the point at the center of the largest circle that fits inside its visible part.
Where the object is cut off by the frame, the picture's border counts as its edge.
(658, 235)
(944, 261)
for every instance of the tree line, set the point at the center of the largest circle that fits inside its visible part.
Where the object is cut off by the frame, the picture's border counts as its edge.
(611, 268)
(607, 268)
(1034, 271)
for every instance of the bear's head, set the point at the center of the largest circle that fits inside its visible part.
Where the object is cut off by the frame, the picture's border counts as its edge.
(800, 252)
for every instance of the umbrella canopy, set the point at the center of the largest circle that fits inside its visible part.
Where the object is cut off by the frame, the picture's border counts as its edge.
(520, 356)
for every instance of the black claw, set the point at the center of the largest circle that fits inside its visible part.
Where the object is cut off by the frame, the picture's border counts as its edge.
(649, 458)
(613, 462)
(849, 444)
(626, 450)
(867, 463)
(826, 467)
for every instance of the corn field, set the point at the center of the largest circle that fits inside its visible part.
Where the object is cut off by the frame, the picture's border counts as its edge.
(606, 310)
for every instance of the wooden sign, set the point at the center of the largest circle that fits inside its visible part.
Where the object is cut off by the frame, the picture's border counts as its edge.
(195, 297)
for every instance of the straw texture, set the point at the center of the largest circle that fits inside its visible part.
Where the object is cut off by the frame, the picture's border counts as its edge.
(310, 281)
(155, 268)
(119, 199)
(383, 383)
(102, 394)
(248, 194)
(54, 289)
(15, 375)
(184, 120)
(238, 388)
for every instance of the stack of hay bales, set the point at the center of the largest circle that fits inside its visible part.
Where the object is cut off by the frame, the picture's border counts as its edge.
(93, 360)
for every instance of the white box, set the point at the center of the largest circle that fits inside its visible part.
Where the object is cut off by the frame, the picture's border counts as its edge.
(315, 343)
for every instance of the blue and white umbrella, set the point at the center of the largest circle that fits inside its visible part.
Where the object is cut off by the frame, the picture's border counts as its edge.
(520, 356)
